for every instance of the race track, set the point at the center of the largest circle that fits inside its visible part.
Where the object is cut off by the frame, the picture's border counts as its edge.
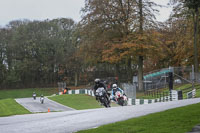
(35, 106)
(72, 121)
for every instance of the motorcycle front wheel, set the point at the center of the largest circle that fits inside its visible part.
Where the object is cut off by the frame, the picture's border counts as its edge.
(121, 101)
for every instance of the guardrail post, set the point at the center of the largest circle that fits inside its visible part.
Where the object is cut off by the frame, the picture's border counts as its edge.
(167, 94)
(170, 95)
(163, 96)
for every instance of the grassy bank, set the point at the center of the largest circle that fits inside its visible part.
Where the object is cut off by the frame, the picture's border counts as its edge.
(183, 88)
(78, 102)
(187, 86)
(11, 107)
(178, 120)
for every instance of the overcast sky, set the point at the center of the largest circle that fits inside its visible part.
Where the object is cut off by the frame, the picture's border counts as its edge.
(51, 9)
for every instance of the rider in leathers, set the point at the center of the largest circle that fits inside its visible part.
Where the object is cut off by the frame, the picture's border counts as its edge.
(99, 84)
(114, 90)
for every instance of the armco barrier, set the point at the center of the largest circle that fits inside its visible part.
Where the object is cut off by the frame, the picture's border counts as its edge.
(191, 94)
(130, 100)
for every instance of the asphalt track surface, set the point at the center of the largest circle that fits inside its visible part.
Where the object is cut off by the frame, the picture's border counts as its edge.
(72, 121)
(196, 129)
(35, 106)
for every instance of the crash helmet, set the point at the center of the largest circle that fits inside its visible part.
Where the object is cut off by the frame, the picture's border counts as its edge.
(97, 81)
(114, 86)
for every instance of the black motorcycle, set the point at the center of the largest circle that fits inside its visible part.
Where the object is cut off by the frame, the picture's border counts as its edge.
(102, 97)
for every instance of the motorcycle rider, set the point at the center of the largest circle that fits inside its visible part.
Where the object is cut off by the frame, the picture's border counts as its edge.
(114, 90)
(99, 84)
(42, 98)
(34, 95)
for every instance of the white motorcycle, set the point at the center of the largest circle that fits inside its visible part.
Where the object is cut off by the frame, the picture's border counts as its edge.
(121, 99)
(42, 99)
(34, 96)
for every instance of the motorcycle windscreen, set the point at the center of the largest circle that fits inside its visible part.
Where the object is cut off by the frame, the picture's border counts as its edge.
(99, 91)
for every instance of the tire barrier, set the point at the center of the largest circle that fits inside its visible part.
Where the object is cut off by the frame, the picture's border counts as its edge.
(131, 101)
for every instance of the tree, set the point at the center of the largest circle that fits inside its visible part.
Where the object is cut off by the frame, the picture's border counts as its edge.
(3, 57)
(111, 21)
(195, 5)
(192, 8)
(33, 51)
(140, 58)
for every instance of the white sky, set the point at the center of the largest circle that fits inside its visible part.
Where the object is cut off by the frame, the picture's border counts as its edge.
(51, 9)
(164, 11)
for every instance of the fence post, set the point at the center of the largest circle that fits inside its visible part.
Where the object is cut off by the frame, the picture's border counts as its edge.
(163, 96)
(170, 81)
(160, 97)
(193, 93)
(157, 94)
(170, 95)
(167, 96)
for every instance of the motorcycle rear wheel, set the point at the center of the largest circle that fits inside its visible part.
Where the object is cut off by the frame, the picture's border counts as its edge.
(105, 102)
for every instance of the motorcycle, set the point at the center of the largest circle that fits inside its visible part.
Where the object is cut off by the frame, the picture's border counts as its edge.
(121, 99)
(34, 96)
(102, 97)
(42, 99)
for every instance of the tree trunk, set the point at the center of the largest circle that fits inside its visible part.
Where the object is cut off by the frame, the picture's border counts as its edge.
(140, 73)
(76, 78)
(140, 59)
(117, 73)
(196, 25)
(130, 73)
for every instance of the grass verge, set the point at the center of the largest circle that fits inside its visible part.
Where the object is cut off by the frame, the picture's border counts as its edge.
(22, 93)
(76, 101)
(141, 95)
(178, 120)
(11, 107)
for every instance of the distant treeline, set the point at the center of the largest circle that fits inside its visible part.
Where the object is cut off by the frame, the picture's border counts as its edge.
(113, 39)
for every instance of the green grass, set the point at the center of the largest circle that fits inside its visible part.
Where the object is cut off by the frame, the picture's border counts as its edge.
(78, 102)
(187, 86)
(141, 95)
(22, 93)
(178, 120)
(11, 107)
(198, 93)
(145, 97)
